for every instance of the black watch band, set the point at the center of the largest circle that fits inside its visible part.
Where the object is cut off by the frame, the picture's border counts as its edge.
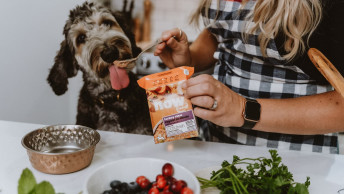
(251, 113)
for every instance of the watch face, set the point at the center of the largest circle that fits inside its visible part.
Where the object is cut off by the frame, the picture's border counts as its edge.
(252, 111)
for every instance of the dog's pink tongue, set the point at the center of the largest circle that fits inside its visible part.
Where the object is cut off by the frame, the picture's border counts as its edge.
(119, 77)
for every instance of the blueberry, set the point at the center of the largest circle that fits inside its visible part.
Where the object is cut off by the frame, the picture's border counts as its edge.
(133, 187)
(123, 187)
(107, 192)
(117, 191)
(115, 184)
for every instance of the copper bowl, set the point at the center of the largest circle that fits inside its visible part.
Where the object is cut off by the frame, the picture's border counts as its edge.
(61, 149)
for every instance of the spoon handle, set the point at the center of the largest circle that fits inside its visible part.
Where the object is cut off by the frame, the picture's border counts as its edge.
(156, 42)
(327, 69)
(128, 63)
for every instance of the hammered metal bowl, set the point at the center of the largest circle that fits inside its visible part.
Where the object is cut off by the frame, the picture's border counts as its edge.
(61, 149)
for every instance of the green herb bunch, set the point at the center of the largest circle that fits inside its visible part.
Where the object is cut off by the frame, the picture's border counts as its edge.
(262, 175)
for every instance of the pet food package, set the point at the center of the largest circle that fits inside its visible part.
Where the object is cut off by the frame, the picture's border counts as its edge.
(171, 113)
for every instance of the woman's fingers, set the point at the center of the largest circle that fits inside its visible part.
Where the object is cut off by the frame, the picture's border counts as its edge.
(205, 114)
(159, 48)
(175, 33)
(202, 85)
(173, 44)
(174, 50)
(203, 78)
(204, 89)
(168, 38)
(203, 101)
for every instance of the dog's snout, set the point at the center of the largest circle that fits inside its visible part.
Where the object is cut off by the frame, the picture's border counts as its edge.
(109, 54)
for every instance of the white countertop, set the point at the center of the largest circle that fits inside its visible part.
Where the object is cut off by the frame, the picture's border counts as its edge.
(326, 171)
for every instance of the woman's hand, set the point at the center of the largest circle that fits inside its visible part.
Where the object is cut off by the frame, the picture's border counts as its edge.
(174, 50)
(203, 90)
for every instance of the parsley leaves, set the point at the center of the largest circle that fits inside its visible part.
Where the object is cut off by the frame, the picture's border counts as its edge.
(262, 176)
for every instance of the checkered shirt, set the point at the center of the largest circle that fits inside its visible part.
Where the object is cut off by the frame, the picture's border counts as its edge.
(243, 69)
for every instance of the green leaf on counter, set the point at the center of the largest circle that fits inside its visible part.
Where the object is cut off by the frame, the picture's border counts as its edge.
(27, 182)
(44, 188)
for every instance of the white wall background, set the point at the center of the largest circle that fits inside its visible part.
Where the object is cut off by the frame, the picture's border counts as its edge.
(166, 14)
(30, 35)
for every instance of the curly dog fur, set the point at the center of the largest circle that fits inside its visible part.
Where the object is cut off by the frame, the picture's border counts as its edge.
(94, 38)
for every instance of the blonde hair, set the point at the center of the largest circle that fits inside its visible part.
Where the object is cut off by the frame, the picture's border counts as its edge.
(296, 19)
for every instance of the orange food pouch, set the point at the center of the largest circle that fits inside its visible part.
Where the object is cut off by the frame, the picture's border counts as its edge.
(171, 113)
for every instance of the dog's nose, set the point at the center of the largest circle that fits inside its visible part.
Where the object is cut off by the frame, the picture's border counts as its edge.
(109, 54)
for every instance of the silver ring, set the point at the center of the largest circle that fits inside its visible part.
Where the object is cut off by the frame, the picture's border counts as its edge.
(214, 105)
(180, 33)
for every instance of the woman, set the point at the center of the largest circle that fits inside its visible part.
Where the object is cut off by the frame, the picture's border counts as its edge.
(264, 91)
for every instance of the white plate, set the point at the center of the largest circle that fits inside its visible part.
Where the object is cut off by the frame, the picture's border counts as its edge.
(127, 170)
(206, 173)
(319, 184)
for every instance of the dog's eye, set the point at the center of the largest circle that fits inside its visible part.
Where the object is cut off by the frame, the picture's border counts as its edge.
(108, 23)
(81, 39)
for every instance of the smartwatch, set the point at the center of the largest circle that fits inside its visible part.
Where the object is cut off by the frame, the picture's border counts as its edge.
(251, 113)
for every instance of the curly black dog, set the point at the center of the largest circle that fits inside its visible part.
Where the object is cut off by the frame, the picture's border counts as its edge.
(110, 98)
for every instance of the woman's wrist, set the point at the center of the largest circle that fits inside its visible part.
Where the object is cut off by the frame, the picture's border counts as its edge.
(236, 118)
(240, 120)
(251, 113)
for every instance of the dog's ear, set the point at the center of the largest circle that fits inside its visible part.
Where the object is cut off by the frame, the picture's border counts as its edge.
(65, 67)
(127, 26)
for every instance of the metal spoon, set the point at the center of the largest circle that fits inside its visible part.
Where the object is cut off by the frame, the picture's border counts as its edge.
(129, 63)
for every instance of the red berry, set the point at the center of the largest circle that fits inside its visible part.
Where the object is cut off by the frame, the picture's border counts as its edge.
(154, 184)
(182, 183)
(170, 180)
(161, 183)
(159, 176)
(145, 184)
(167, 188)
(177, 186)
(139, 179)
(167, 170)
(153, 190)
(166, 192)
(186, 190)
